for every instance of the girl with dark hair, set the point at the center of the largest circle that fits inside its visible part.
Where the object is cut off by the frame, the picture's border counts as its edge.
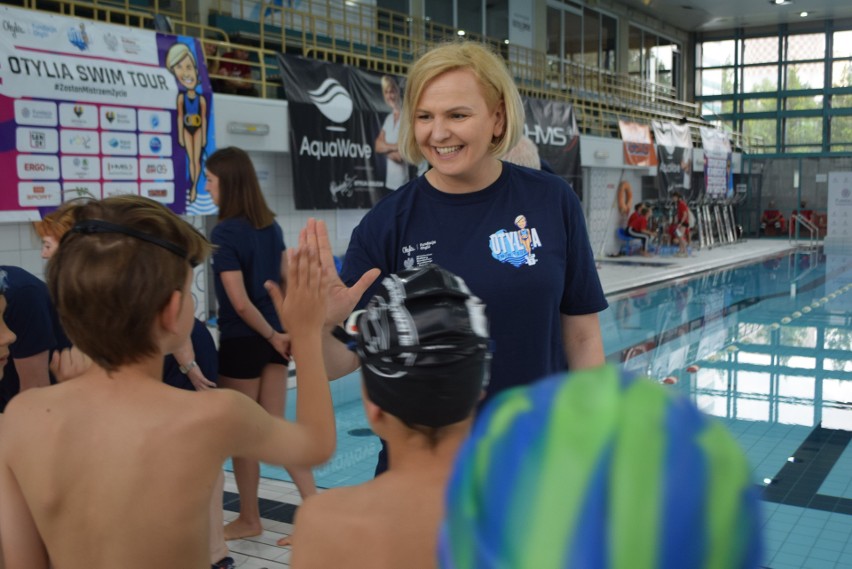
(254, 351)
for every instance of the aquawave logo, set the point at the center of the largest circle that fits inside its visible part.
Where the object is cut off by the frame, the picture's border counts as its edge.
(332, 100)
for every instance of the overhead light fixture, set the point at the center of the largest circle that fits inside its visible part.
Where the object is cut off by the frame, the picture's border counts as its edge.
(460, 32)
(506, 42)
(781, 2)
(804, 14)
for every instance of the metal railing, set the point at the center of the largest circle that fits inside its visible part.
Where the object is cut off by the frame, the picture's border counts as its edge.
(386, 41)
(799, 220)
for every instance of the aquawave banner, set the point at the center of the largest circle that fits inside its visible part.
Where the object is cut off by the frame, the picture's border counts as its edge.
(638, 145)
(674, 151)
(93, 109)
(344, 124)
(718, 173)
(552, 125)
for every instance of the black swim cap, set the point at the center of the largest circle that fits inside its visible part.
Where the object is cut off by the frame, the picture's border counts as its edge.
(423, 343)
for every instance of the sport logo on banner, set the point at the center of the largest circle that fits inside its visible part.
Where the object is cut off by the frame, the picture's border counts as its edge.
(674, 150)
(552, 125)
(344, 134)
(718, 160)
(638, 145)
(96, 110)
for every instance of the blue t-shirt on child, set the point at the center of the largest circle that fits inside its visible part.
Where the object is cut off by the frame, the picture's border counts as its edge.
(30, 314)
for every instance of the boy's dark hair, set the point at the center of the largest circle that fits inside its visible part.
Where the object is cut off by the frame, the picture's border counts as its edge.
(115, 270)
(239, 190)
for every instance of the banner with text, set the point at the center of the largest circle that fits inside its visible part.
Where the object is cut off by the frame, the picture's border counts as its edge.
(674, 150)
(638, 144)
(718, 160)
(94, 109)
(344, 127)
(552, 125)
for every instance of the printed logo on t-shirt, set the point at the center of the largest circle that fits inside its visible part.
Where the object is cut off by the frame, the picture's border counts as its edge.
(418, 254)
(515, 246)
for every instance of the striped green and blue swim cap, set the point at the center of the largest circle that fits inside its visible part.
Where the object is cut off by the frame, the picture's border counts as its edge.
(601, 471)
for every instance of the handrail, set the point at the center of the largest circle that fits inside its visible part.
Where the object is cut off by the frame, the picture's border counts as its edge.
(798, 219)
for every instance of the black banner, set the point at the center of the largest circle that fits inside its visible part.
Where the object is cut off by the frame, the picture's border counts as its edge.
(674, 148)
(336, 115)
(552, 125)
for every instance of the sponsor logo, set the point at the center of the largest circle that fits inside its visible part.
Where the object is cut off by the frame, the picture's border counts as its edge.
(110, 116)
(549, 135)
(35, 113)
(38, 167)
(155, 121)
(79, 38)
(332, 100)
(340, 147)
(120, 168)
(155, 144)
(39, 194)
(38, 140)
(152, 168)
(78, 110)
(130, 45)
(14, 29)
(43, 30)
(111, 42)
(81, 141)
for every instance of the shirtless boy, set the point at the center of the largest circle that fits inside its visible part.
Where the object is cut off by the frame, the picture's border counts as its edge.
(423, 346)
(116, 469)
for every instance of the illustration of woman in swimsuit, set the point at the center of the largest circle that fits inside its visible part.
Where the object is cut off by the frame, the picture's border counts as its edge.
(191, 110)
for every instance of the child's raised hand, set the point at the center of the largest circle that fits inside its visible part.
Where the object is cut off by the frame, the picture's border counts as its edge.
(302, 310)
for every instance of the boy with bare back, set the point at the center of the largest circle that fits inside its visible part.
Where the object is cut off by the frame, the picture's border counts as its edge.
(115, 469)
(423, 346)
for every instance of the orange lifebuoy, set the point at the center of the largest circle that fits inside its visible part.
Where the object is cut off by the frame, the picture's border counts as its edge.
(624, 198)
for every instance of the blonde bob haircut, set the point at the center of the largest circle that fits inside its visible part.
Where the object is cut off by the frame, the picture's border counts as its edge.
(491, 73)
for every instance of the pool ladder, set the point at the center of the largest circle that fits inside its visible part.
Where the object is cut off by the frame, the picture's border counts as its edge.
(805, 223)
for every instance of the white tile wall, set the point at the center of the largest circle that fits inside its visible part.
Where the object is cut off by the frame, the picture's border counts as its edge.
(20, 246)
(275, 173)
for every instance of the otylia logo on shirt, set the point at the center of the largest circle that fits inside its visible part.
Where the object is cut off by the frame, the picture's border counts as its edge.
(515, 246)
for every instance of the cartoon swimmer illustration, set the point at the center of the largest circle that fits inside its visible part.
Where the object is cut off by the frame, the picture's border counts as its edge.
(191, 110)
(524, 233)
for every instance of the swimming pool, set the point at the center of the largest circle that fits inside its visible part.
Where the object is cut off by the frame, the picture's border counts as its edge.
(767, 348)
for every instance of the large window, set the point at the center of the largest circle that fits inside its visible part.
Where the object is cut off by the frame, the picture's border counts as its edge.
(489, 18)
(579, 38)
(791, 90)
(654, 58)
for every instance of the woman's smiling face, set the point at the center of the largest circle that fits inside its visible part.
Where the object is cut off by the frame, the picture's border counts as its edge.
(454, 128)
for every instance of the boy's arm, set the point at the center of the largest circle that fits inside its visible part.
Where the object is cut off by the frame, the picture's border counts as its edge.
(310, 439)
(302, 313)
(22, 545)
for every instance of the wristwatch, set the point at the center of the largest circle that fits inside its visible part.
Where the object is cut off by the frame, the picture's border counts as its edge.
(185, 369)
